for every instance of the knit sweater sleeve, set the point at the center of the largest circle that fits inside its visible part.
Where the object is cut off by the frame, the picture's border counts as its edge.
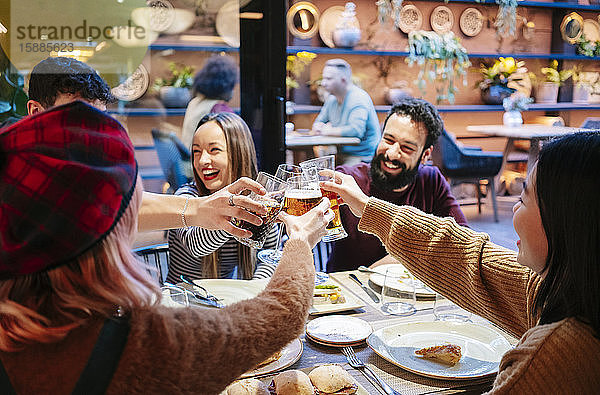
(457, 262)
(201, 350)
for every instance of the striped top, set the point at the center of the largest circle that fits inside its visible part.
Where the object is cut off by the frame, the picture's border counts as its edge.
(188, 246)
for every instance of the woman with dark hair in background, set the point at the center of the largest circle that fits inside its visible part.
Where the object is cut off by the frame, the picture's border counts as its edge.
(222, 152)
(548, 293)
(213, 88)
(79, 313)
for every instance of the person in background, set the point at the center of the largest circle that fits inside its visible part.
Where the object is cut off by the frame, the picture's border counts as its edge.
(548, 292)
(222, 151)
(348, 111)
(79, 312)
(213, 88)
(59, 80)
(396, 174)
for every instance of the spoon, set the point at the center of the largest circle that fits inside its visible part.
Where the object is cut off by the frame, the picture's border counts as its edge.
(366, 270)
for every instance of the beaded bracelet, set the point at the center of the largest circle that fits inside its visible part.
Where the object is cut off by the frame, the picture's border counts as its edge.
(187, 199)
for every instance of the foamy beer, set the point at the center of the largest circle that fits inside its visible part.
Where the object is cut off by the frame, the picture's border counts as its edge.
(335, 230)
(300, 201)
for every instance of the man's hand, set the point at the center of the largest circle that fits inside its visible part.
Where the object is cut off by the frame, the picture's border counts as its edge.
(215, 211)
(348, 189)
(310, 226)
(317, 127)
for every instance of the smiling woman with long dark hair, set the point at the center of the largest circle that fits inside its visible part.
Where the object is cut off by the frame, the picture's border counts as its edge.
(548, 293)
(222, 152)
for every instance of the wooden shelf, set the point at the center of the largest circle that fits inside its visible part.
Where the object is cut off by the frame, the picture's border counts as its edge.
(345, 51)
(153, 112)
(308, 109)
(539, 4)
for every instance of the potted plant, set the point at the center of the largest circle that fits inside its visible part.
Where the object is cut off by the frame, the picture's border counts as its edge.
(582, 84)
(496, 78)
(546, 91)
(513, 105)
(442, 59)
(174, 91)
(295, 66)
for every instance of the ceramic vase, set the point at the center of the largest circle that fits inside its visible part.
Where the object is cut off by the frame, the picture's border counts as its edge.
(494, 94)
(346, 37)
(175, 97)
(512, 118)
(581, 93)
(546, 92)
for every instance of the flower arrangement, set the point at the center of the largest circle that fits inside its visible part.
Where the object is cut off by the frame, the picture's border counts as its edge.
(585, 47)
(442, 59)
(181, 77)
(503, 71)
(552, 74)
(516, 102)
(295, 65)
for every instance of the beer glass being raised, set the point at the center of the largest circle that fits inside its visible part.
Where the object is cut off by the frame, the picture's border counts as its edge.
(335, 230)
(273, 202)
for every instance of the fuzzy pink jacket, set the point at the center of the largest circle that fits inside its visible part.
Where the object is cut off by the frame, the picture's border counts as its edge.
(558, 358)
(181, 350)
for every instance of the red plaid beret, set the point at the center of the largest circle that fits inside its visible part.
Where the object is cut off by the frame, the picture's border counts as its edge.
(66, 177)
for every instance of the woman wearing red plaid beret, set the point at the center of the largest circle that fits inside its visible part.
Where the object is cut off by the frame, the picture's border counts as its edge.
(78, 312)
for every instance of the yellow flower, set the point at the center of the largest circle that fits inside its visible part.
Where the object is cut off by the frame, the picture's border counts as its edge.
(508, 65)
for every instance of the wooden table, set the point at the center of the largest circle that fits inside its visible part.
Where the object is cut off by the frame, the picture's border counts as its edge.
(401, 380)
(535, 133)
(302, 145)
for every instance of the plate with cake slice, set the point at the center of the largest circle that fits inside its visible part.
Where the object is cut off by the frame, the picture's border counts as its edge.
(442, 349)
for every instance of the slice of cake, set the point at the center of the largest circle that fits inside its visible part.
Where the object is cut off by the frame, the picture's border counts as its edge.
(448, 353)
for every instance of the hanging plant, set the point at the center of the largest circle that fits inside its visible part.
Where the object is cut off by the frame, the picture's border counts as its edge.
(442, 59)
(506, 19)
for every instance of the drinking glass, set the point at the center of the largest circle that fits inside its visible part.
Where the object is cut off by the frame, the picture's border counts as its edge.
(445, 310)
(272, 256)
(335, 230)
(174, 296)
(273, 202)
(398, 293)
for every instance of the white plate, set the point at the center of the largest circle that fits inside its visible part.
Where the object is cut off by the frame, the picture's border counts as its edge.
(338, 329)
(422, 290)
(289, 355)
(227, 23)
(231, 291)
(482, 348)
(351, 303)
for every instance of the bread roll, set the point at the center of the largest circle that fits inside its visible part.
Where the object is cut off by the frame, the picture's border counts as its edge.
(248, 387)
(293, 382)
(332, 379)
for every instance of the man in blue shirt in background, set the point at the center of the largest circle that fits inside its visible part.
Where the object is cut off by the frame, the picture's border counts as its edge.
(348, 111)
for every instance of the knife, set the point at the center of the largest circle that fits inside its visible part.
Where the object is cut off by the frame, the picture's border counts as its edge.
(368, 290)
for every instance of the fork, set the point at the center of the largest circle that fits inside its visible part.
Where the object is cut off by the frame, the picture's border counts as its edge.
(191, 282)
(356, 363)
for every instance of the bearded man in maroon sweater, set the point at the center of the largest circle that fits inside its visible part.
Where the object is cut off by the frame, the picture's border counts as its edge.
(398, 175)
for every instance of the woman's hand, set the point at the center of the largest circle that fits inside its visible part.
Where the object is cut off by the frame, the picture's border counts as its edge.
(348, 189)
(215, 211)
(310, 226)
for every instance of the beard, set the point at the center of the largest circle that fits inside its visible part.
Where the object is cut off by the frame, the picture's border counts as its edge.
(388, 182)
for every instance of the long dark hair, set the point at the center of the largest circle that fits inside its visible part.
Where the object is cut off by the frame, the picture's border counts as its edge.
(241, 157)
(568, 187)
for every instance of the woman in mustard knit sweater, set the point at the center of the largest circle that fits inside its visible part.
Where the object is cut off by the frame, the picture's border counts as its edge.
(548, 293)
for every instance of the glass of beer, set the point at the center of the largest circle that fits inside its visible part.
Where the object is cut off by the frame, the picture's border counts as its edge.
(302, 195)
(335, 230)
(273, 202)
